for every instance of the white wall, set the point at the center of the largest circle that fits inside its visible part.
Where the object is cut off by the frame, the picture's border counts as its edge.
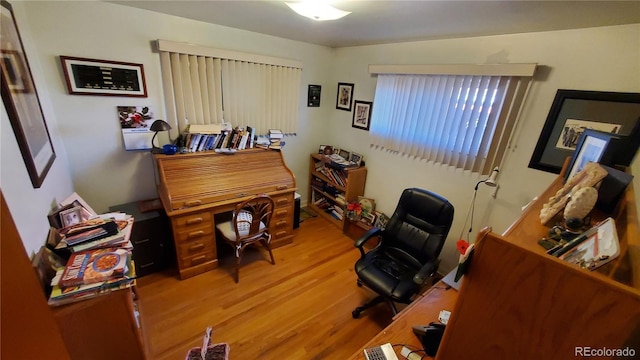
(602, 59)
(29, 206)
(103, 172)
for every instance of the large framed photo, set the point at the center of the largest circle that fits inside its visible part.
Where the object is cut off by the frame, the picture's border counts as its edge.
(345, 95)
(21, 101)
(574, 111)
(103, 77)
(362, 115)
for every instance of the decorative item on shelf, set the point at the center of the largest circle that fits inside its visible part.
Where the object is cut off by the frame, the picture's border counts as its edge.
(157, 126)
(354, 211)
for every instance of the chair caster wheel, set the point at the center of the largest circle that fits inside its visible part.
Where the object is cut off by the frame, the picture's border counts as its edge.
(355, 313)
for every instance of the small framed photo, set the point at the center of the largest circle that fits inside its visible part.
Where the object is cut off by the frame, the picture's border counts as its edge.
(368, 218)
(345, 95)
(313, 96)
(72, 216)
(325, 150)
(355, 158)
(362, 115)
(103, 77)
(591, 147)
(368, 205)
(381, 220)
(345, 154)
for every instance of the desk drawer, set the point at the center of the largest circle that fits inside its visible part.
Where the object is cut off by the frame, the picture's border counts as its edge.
(196, 259)
(281, 201)
(194, 233)
(196, 247)
(197, 219)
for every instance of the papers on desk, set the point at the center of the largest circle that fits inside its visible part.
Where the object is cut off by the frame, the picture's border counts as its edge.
(599, 248)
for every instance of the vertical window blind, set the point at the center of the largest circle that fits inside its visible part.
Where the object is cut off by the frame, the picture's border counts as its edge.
(205, 85)
(460, 120)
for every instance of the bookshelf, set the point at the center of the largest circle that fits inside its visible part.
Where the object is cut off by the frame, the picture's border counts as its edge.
(333, 187)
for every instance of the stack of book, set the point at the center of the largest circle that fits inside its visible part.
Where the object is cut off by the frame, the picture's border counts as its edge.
(217, 136)
(92, 273)
(275, 139)
(97, 249)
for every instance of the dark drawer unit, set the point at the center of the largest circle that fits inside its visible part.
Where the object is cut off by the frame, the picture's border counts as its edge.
(151, 238)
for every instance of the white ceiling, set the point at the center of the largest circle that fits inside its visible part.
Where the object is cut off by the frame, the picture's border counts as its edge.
(377, 22)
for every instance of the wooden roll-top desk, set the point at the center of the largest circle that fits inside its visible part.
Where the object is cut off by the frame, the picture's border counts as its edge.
(195, 187)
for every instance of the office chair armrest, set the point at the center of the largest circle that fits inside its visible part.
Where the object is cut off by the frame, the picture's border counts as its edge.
(365, 237)
(427, 270)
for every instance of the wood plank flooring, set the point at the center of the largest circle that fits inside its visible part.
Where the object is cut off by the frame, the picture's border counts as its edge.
(299, 308)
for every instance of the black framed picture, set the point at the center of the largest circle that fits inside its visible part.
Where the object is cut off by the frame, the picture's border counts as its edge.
(103, 77)
(591, 147)
(574, 111)
(22, 102)
(313, 96)
(345, 96)
(362, 115)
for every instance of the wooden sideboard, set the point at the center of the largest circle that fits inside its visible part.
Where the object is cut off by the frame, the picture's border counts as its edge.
(198, 187)
(517, 302)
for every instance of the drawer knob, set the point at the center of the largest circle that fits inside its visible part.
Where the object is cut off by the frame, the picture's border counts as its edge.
(199, 259)
(280, 233)
(282, 187)
(146, 265)
(282, 201)
(196, 247)
(281, 223)
(197, 220)
(281, 212)
(195, 234)
(141, 241)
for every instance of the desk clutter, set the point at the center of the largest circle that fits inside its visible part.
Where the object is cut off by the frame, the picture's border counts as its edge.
(86, 254)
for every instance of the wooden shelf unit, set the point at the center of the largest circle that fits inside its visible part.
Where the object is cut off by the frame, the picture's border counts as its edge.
(353, 187)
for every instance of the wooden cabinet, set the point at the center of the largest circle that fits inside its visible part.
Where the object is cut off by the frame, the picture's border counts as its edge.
(105, 327)
(197, 188)
(332, 186)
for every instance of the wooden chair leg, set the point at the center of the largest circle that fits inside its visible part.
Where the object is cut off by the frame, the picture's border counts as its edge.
(238, 268)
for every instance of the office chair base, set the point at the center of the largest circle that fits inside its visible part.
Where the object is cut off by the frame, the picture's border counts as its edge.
(375, 301)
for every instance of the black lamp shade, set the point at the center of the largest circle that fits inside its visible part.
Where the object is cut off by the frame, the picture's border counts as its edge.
(160, 125)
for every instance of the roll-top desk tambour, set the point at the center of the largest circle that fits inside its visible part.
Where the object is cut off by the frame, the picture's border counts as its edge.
(194, 187)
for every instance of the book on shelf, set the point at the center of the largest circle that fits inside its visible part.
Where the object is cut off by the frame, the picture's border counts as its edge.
(275, 134)
(252, 134)
(94, 266)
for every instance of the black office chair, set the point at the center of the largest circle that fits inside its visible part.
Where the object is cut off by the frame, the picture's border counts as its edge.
(407, 254)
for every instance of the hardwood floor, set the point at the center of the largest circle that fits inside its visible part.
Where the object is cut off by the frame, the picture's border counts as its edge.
(299, 308)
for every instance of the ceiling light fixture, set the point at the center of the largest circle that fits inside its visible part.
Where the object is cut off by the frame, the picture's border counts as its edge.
(317, 10)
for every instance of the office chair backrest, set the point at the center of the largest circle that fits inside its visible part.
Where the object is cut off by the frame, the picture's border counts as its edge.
(418, 227)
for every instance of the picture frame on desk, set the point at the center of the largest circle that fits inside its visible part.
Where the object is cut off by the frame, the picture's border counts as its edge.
(591, 147)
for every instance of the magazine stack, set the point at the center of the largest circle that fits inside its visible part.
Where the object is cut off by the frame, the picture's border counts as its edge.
(89, 253)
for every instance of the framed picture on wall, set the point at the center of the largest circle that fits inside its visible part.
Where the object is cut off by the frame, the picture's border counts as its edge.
(22, 102)
(103, 77)
(362, 115)
(574, 111)
(345, 95)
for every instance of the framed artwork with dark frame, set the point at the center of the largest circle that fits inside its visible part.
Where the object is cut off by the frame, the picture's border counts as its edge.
(313, 95)
(21, 101)
(103, 77)
(591, 147)
(345, 95)
(574, 111)
(362, 115)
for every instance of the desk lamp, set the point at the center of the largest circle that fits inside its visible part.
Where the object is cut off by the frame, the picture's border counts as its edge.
(491, 182)
(158, 125)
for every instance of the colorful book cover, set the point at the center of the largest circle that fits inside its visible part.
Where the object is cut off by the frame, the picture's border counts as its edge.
(94, 266)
